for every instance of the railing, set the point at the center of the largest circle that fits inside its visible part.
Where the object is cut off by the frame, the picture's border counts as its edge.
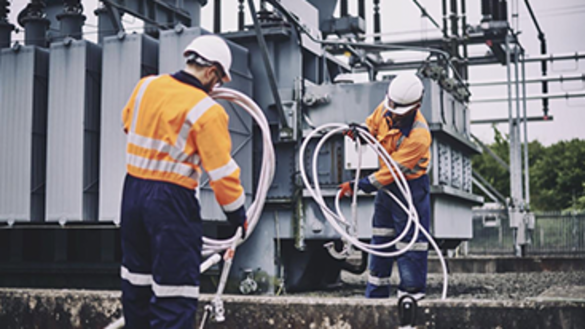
(554, 233)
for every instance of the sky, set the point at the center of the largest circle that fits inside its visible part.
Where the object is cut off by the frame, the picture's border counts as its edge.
(563, 22)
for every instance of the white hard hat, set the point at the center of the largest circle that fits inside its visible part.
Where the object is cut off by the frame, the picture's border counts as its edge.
(214, 50)
(404, 93)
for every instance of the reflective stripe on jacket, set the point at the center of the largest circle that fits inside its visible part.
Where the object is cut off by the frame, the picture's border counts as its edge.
(409, 146)
(173, 130)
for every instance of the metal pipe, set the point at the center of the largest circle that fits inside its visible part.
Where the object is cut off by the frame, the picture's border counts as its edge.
(486, 148)
(465, 35)
(533, 97)
(241, 17)
(505, 120)
(548, 78)
(454, 19)
(377, 24)
(517, 139)
(543, 64)
(556, 57)
(268, 65)
(362, 9)
(515, 22)
(444, 6)
(216, 16)
(479, 60)
(526, 159)
(510, 119)
(487, 188)
(453, 39)
(343, 9)
(425, 13)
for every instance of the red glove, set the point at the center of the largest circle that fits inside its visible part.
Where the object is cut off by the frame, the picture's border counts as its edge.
(346, 189)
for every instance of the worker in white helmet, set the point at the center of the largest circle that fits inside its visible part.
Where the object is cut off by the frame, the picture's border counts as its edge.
(400, 127)
(174, 131)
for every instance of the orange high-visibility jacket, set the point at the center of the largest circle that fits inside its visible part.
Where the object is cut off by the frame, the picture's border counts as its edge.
(409, 145)
(175, 128)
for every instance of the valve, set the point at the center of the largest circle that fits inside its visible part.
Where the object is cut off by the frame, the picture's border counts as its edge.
(341, 255)
(248, 285)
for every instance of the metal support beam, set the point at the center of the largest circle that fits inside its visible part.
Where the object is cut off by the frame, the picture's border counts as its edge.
(444, 8)
(485, 148)
(241, 17)
(362, 9)
(531, 97)
(343, 9)
(526, 159)
(555, 57)
(543, 50)
(516, 126)
(377, 24)
(473, 61)
(217, 16)
(425, 13)
(465, 37)
(487, 188)
(505, 120)
(515, 194)
(268, 67)
(548, 78)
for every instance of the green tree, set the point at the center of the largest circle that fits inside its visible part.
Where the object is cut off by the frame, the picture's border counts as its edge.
(557, 176)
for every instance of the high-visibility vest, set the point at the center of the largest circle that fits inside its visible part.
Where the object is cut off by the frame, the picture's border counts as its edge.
(412, 152)
(173, 130)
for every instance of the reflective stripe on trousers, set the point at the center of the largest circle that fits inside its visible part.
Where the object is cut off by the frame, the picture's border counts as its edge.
(159, 290)
(412, 265)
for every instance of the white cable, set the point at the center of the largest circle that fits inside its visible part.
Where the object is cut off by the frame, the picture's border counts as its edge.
(211, 246)
(338, 220)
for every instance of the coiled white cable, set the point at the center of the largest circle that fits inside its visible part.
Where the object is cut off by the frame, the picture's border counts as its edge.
(211, 246)
(337, 220)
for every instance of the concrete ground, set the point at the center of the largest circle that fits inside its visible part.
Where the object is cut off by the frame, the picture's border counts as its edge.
(488, 300)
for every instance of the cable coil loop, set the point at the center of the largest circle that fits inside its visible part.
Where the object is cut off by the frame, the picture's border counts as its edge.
(342, 225)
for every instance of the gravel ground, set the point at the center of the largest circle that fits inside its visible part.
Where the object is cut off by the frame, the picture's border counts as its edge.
(493, 286)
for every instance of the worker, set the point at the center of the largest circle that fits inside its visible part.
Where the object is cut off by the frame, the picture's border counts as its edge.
(174, 129)
(401, 129)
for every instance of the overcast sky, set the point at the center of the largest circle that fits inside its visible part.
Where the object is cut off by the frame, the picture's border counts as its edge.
(563, 22)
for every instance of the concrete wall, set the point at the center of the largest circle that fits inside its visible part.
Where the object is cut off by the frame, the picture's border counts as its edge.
(66, 309)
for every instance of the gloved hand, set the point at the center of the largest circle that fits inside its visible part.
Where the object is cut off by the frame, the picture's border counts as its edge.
(346, 189)
(237, 219)
(363, 184)
(353, 132)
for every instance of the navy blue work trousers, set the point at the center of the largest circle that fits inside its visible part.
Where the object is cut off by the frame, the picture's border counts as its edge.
(161, 252)
(388, 222)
